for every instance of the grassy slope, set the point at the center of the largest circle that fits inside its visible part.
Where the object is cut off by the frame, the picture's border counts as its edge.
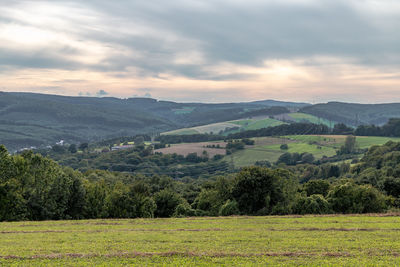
(317, 145)
(249, 124)
(28, 119)
(299, 117)
(291, 240)
(246, 124)
(268, 148)
(271, 153)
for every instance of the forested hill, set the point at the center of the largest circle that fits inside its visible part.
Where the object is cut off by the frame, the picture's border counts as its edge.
(355, 114)
(28, 119)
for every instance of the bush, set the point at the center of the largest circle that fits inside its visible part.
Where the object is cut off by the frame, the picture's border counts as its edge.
(184, 210)
(314, 187)
(258, 188)
(284, 147)
(166, 201)
(351, 198)
(229, 208)
(314, 204)
(248, 141)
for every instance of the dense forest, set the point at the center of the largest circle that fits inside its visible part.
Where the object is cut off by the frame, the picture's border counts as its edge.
(33, 187)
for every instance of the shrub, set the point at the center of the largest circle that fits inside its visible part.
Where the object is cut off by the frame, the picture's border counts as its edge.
(229, 208)
(314, 204)
(284, 147)
(351, 198)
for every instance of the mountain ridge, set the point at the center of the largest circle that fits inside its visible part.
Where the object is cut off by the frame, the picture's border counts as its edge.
(31, 119)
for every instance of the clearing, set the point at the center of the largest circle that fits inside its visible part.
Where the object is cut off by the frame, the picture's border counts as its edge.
(187, 148)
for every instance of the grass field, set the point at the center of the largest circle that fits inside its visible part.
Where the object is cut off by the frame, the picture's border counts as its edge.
(300, 117)
(318, 145)
(244, 125)
(251, 241)
(257, 123)
(186, 148)
(250, 124)
(263, 150)
(337, 140)
(268, 148)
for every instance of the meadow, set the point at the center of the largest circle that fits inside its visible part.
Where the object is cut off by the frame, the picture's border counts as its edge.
(274, 240)
(254, 123)
(268, 148)
(237, 125)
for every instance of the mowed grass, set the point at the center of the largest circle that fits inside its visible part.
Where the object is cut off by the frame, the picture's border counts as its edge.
(231, 241)
(216, 128)
(368, 141)
(252, 154)
(318, 145)
(300, 117)
(186, 148)
(337, 140)
(257, 123)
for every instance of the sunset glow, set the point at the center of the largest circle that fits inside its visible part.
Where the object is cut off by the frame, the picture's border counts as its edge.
(216, 51)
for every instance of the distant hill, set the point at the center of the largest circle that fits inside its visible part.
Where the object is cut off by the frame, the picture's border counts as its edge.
(273, 103)
(28, 119)
(355, 114)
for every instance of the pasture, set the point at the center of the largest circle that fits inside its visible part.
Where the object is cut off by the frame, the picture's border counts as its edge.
(244, 125)
(268, 148)
(204, 241)
(303, 117)
(318, 145)
(253, 123)
(186, 148)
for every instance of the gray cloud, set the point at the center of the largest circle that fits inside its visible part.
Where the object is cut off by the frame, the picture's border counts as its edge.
(251, 33)
(241, 33)
(189, 37)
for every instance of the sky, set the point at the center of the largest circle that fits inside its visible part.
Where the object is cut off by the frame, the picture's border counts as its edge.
(203, 50)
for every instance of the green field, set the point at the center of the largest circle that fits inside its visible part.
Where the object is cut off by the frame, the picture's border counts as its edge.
(271, 152)
(255, 124)
(337, 140)
(252, 241)
(184, 131)
(303, 117)
(244, 125)
(318, 145)
(249, 124)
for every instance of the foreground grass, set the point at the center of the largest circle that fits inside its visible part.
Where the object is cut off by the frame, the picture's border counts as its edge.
(292, 240)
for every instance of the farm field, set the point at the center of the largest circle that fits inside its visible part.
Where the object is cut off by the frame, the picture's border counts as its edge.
(187, 148)
(203, 241)
(338, 140)
(254, 123)
(301, 117)
(245, 124)
(268, 148)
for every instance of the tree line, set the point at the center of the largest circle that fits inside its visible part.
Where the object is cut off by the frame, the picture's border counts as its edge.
(390, 129)
(33, 187)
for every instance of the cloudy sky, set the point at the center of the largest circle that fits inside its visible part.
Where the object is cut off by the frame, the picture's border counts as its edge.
(203, 50)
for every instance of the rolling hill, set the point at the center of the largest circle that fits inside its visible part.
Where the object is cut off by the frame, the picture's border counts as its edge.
(28, 119)
(354, 114)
